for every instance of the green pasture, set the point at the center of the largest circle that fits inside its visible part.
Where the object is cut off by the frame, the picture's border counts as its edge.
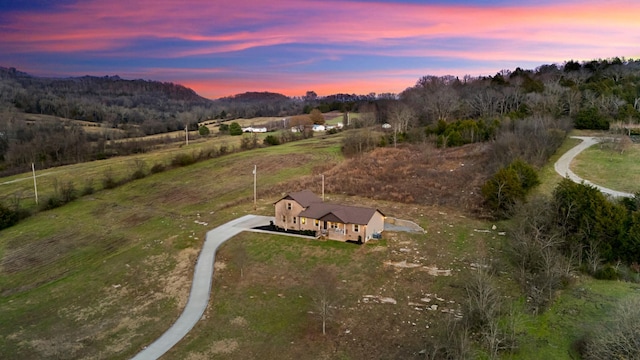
(20, 188)
(602, 164)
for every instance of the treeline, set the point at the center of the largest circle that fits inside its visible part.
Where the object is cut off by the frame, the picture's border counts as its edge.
(55, 143)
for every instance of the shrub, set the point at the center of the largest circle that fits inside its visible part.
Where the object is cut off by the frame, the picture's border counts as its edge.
(249, 142)
(224, 149)
(235, 129)
(183, 160)
(88, 188)
(606, 273)
(138, 174)
(157, 168)
(52, 202)
(139, 169)
(68, 192)
(8, 217)
(203, 130)
(508, 186)
(592, 119)
(109, 182)
(271, 140)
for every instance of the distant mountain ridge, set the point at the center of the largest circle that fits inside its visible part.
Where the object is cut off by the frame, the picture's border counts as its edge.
(109, 86)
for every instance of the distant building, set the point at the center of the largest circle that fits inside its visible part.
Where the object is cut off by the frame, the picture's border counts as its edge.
(254, 129)
(305, 211)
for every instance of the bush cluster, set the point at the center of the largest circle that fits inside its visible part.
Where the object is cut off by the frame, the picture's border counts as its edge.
(508, 186)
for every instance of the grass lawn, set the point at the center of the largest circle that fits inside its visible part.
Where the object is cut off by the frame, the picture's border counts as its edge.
(607, 167)
(109, 272)
(549, 178)
(553, 335)
(92, 174)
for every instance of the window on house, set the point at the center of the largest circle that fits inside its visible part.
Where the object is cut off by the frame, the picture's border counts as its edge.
(294, 219)
(303, 220)
(288, 206)
(317, 222)
(284, 218)
(334, 225)
(356, 227)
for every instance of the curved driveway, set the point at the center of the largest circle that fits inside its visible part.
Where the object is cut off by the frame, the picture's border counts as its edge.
(562, 166)
(201, 286)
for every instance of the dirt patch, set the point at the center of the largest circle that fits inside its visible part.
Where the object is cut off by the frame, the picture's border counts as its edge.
(219, 265)
(179, 281)
(225, 346)
(402, 264)
(239, 321)
(54, 347)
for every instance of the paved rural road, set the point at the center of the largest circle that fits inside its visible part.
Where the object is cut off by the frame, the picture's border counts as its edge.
(562, 166)
(201, 286)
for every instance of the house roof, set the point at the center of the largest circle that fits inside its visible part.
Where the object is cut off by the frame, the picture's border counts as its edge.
(304, 198)
(342, 213)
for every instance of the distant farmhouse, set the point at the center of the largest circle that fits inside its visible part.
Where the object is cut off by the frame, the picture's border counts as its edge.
(304, 210)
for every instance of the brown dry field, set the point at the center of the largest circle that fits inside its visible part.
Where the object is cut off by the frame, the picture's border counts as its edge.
(412, 174)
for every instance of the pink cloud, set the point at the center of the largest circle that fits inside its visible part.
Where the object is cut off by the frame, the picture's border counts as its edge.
(97, 25)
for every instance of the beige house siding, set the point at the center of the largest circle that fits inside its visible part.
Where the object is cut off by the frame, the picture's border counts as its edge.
(375, 225)
(287, 214)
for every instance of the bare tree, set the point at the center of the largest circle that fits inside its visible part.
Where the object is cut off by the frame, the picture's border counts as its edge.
(400, 118)
(534, 248)
(454, 342)
(619, 336)
(434, 98)
(240, 257)
(593, 258)
(325, 285)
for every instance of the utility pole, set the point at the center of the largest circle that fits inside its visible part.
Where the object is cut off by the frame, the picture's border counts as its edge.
(322, 187)
(186, 133)
(35, 185)
(255, 171)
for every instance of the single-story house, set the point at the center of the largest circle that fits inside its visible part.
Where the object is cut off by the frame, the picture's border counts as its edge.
(304, 210)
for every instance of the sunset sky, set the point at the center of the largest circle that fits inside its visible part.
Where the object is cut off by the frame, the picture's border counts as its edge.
(225, 47)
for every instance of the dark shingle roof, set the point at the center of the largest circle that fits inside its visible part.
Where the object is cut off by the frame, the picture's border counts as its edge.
(343, 213)
(304, 198)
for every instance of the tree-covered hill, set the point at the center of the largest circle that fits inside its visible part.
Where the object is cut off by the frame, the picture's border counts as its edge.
(107, 99)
